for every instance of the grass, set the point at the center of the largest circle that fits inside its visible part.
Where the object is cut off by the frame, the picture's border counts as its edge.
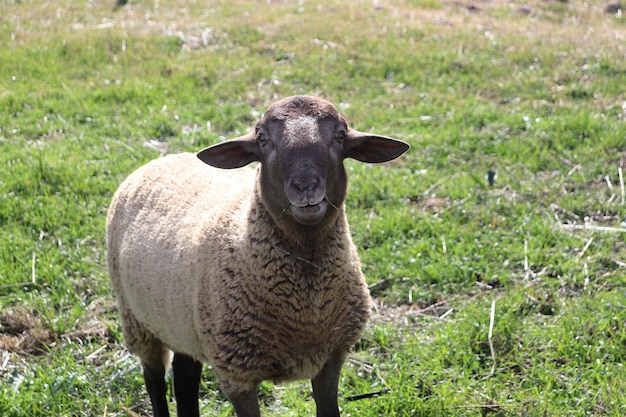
(90, 91)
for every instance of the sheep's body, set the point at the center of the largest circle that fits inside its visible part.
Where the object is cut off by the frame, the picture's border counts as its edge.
(252, 271)
(221, 286)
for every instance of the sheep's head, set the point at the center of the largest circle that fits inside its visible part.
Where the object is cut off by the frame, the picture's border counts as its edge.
(301, 142)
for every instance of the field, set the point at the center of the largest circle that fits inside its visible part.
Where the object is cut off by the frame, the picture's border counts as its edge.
(503, 298)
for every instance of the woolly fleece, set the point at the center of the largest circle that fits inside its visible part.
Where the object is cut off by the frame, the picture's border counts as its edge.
(199, 267)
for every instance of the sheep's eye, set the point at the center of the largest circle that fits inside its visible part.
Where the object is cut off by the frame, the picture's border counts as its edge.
(262, 138)
(340, 135)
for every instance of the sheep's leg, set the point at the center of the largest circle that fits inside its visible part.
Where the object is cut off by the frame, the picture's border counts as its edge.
(154, 359)
(187, 372)
(325, 386)
(154, 377)
(245, 403)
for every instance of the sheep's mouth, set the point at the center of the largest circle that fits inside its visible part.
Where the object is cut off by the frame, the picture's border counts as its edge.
(309, 214)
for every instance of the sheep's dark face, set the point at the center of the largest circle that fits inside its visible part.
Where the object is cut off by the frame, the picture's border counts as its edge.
(301, 143)
(301, 152)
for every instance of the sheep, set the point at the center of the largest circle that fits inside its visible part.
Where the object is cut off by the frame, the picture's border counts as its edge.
(250, 270)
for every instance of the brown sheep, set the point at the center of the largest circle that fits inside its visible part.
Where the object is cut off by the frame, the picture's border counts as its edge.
(251, 271)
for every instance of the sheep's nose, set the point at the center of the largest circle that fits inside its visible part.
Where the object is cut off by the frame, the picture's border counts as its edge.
(303, 191)
(305, 184)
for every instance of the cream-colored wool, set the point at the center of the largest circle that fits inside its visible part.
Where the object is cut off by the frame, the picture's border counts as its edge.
(199, 266)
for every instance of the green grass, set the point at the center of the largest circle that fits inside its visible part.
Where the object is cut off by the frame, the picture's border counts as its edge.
(89, 92)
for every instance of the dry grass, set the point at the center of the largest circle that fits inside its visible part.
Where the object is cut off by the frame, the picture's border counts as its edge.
(582, 24)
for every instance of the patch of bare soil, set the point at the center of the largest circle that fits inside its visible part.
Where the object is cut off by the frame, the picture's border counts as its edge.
(24, 332)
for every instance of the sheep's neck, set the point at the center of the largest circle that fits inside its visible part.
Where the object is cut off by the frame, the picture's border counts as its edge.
(299, 258)
(305, 248)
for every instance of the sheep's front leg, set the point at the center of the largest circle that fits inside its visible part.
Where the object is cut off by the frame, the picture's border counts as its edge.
(154, 377)
(187, 373)
(245, 403)
(326, 384)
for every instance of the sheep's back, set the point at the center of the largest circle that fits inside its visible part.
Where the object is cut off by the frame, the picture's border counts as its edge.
(157, 227)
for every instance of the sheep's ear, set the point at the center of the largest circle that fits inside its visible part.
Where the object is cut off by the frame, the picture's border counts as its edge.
(233, 153)
(366, 147)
